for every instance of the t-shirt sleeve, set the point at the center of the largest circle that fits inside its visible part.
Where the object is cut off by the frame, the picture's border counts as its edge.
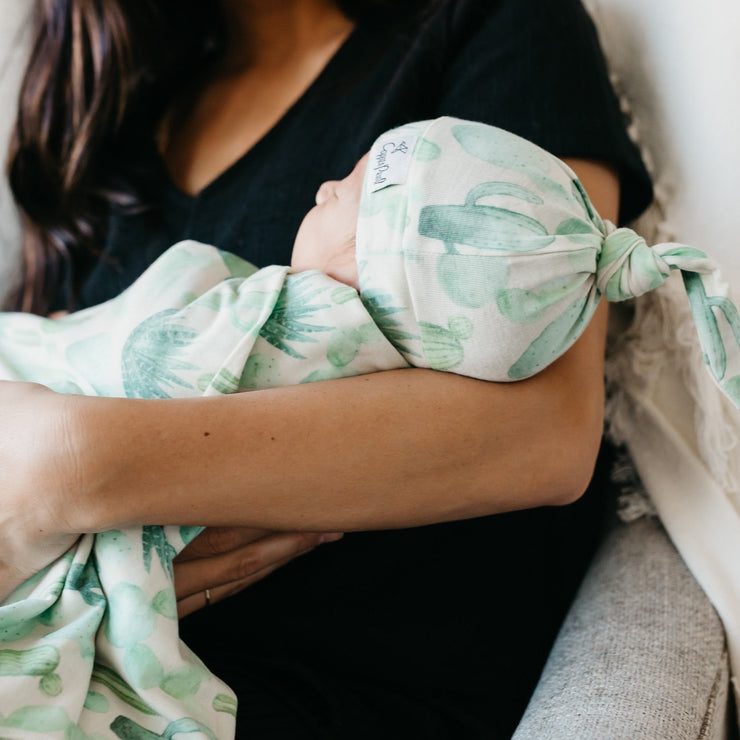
(535, 67)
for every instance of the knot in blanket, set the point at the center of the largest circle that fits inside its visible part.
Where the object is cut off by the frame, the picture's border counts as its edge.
(627, 266)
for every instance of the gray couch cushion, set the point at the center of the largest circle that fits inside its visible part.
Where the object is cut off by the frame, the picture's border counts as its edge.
(642, 652)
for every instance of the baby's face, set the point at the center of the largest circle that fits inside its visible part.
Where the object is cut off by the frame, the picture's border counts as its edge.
(326, 237)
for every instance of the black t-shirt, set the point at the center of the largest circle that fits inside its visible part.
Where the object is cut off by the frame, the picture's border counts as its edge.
(440, 631)
(530, 66)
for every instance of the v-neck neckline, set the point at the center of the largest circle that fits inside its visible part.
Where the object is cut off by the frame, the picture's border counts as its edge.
(328, 72)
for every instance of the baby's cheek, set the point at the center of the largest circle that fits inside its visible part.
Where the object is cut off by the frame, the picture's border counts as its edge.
(343, 265)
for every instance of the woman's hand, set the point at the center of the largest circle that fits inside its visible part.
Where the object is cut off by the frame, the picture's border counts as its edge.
(37, 474)
(225, 560)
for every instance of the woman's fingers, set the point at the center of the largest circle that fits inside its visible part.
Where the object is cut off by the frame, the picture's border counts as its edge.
(198, 600)
(227, 571)
(217, 540)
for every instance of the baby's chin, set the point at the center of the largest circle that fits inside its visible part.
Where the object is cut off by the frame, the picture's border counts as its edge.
(336, 260)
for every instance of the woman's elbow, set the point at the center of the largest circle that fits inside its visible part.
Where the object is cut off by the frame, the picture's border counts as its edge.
(555, 440)
(546, 459)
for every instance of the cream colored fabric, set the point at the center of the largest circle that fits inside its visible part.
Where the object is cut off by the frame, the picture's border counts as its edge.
(676, 64)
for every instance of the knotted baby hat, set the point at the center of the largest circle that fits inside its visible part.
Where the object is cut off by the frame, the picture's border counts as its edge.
(480, 253)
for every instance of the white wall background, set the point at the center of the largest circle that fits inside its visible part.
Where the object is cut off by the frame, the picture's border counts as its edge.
(679, 64)
(678, 61)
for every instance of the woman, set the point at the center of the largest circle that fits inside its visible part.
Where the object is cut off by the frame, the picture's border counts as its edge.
(432, 632)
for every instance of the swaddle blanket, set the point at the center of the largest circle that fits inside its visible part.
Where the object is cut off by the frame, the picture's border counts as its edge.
(478, 253)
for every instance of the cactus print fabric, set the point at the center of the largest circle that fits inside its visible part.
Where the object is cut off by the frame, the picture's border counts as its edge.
(500, 258)
(478, 253)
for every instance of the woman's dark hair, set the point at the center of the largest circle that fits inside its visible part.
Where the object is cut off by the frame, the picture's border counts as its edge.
(100, 76)
(90, 99)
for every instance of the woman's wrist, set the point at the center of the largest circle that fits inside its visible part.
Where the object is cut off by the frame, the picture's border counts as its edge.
(103, 449)
(39, 459)
(64, 462)
(79, 456)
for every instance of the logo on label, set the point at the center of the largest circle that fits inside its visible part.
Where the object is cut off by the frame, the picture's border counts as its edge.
(390, 160)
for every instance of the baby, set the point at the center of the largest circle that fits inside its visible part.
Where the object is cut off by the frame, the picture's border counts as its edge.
(452, 245)
(469, 250)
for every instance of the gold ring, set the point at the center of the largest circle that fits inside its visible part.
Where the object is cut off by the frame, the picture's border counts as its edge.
(207, 593)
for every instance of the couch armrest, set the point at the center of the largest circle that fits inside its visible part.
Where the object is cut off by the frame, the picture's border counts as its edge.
(641, 654)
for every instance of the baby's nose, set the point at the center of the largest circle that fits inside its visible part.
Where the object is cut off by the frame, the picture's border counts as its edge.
(325, 191)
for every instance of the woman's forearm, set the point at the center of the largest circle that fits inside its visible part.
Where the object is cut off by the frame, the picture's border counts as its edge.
(384, 450)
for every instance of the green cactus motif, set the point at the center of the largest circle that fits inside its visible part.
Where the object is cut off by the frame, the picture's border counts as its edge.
(380, 306)
(120, 689)
(731, 387)
(472, 280)
(485, 227)
(482, 227)
(39, 719)
(427, 151)
(14, 629)
(523, 306)
(188, 534)
(83, 579)
(142, 668)
(343, 295)
(152, 356)
(115, 544)
(165, 603)
(288, 321)
(39, 661)
(501, 188)
(130, 618)
(260, 371)
(182, 682)
(154, 540)
(51, 685)
(581, 196)
(126, 729)
(579, 232)
(96, 702)
(346, 342)
(504, 150)
(703, 308)
(442, 347)
(237, 267)
(225, 703)
(555, 338)
(247, 309)
(223, 381)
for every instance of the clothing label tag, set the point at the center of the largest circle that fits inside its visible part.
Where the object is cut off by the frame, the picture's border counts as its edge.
(390, 159)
